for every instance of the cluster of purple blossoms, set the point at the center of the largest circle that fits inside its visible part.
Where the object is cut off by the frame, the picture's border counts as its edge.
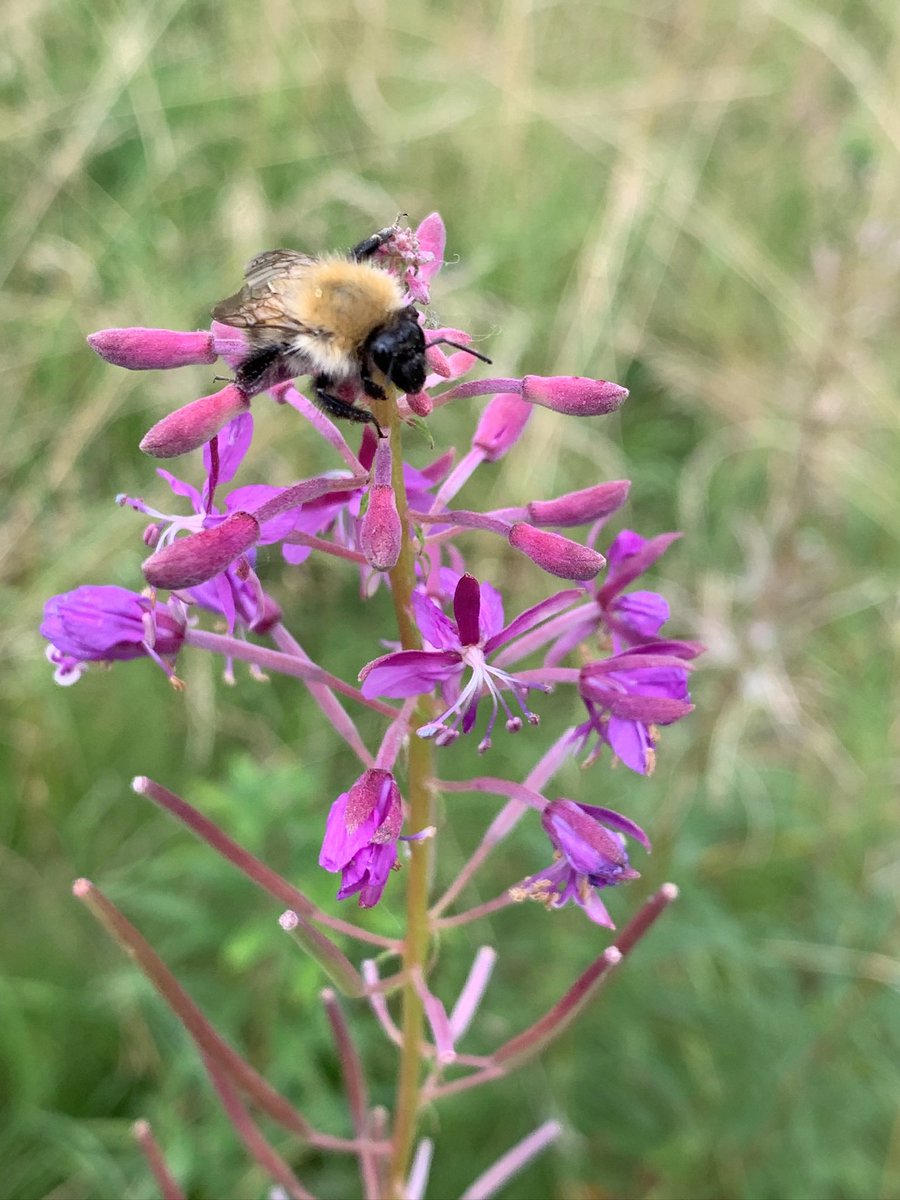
(633, 681)
(459, 657)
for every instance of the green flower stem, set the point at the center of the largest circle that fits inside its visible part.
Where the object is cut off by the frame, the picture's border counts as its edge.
(420, 800)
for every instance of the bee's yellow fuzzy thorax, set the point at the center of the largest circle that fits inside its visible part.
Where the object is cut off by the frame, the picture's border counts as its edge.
(347, 300)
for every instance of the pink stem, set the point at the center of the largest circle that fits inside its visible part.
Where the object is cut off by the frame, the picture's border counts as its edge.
(473, 990)
(168, 1188)
(474, 914)
(325, 698)
(325, 547)
(208, 1041)
(379, 1003)
(444, 1050)
(531, 1041)
(512, 1162)
(283, 664)
(288, 394)
(260, 1149)
(357, 1092)
(334, 963)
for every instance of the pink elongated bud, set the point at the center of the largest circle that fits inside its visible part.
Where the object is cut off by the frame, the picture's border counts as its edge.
(578, 508)
(573, 395)
(141, 349)
(381, 461)
(195, 424)
(420, 403)
(438, 363)
(554, 553)
(190, 561)
(381, 533)
(501, 425)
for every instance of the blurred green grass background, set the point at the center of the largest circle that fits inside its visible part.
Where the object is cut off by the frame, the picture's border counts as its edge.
(699, 199)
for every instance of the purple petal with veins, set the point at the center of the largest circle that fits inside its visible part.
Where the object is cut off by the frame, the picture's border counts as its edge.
(533, 616)
(434, 625)
(408, 672)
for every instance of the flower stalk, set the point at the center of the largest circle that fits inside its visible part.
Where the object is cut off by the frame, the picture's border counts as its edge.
(464, 665)
(420, 770)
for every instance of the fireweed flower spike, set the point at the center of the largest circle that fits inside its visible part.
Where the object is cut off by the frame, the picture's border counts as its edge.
(366, 511)
(590, 855)
(459, 648)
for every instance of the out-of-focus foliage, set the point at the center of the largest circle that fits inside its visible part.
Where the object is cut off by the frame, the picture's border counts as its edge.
(695, 197)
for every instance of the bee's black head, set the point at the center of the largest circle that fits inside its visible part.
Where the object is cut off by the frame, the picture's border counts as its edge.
(398, 351)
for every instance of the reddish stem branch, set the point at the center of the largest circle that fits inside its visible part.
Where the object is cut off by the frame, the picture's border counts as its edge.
(270, 881)
(357, 1092)
(168, 1188)
(531, 1041)
(258, 1146)
(209, 1042)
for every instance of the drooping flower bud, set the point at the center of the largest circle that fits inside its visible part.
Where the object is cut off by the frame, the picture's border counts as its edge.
(591, 839)
(573, 395)
(579, 508)
(361, 836)
(105, 623)
(190, 561)
(141, 349)
(420, 403)
(194, 424)
(554, 553)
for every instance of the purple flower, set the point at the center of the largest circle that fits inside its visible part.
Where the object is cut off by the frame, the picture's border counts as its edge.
(233, 592)
(426, 257)
(635, 618)
(458, 649)
(361, 836)
(627, 695)
(590, 855)
(631, 619)
(102, 623)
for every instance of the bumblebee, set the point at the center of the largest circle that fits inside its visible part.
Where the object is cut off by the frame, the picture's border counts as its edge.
(340, 319)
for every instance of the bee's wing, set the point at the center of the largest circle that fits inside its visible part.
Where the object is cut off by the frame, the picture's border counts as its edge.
(260, 302)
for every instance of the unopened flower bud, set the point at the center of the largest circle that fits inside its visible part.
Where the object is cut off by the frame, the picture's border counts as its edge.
(381, 467)
(554, 553)
(194, 424)
(501, 425)
(381, 533)
(438, 363)
(190, 561)
(573, 395)
(420, 403)
(578, 508)
(153, 349)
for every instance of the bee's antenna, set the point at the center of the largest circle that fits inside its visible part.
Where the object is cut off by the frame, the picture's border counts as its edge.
(457, 346)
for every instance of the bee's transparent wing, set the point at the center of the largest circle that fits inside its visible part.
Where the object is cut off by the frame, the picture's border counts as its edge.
(261, 301)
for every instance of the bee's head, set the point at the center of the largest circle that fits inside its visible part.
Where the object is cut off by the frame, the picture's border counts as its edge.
(398, 351)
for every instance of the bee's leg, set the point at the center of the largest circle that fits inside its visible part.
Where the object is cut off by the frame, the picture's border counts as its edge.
(370, 387)
(261, 369)
(367, 248)
(336, 407)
